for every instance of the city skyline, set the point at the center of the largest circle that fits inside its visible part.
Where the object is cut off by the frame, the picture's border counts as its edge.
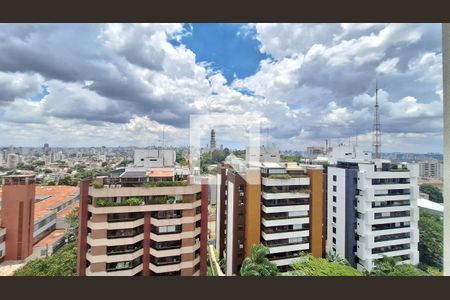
(124, 84)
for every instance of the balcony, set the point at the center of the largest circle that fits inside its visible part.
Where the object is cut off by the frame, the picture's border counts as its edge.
(388, 249)
(285, 181)
(285, 202)
(287, 208)
(164, 261)
(162, 215)
(124, 233)
(116, 250)
(124, 265)
(391, 226)
(282, 222)
(124, 217)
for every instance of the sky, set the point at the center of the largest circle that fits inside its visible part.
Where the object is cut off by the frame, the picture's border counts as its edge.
(75, 85)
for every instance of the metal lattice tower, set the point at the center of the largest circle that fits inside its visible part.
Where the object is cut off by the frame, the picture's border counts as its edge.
(376, 143)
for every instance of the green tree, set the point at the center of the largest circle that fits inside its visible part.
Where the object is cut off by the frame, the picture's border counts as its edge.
(431, 239)
(434, 193)
(62, 263)
(67, 180)
(308, 265)
(388, 266)
(258, 264)
(72, 224)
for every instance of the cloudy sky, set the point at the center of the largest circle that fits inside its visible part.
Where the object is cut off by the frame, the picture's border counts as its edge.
(124, 84)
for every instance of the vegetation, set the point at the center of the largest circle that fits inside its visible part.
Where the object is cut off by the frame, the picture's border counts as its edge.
(62, 263)
(388, 266)
(97, 185)
(309, 265)
(67, 180)
(290, 158)
(258, 264)
(72, 224)
(434, 192)
(431, 241)
(165, 183)
(181, 160)
(134, 201)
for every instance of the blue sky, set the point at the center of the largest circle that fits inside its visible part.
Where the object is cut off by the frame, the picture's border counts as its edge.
(229, 52)
(123, 84)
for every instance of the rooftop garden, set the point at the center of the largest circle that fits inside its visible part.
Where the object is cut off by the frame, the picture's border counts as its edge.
(136, 201)
(165, 183)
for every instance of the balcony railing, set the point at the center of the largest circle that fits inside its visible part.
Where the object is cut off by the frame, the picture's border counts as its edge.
(281, 216)
(285, 202)
(391, 237)
(164, 261)
(394, 214)
(387, 227)
(123, 251)
(124, 233)
(281, 229)
(390, 248)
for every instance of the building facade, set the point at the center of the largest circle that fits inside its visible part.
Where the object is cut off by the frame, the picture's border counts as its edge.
(275, 204)
(431, 169)
(162, 233)
(18, 195)
(372, 212)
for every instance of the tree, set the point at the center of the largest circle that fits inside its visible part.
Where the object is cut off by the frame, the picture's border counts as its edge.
(431, 243)
(62, 263)
(67, 180)
(308, 265)
(258, 264)
(334, 257)
(72, 224)
(388, 266)
(433, 192)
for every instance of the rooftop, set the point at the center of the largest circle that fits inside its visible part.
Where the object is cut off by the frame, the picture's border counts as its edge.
(51, 238)
(58, 194)
(63, 213)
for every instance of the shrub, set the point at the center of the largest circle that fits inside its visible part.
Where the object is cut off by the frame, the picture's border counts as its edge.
(133, 201)
(97, 185)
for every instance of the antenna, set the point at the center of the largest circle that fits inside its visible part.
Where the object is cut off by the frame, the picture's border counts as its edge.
(164, 142)
(376, 127)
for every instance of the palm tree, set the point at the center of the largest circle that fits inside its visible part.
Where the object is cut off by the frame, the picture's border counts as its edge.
(258, 264)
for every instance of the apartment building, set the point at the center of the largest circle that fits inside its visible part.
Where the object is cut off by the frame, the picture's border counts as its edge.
(279, 205)
(42, 211)
(431, 169)
(143, 224)
(18, 195)
(372, 212)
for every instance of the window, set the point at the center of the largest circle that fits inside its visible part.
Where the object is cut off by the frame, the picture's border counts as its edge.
(334, 229)
(334, 198)
(334, 241)
(334, 209)
(334, 178)
(334, 219)
(334, 188)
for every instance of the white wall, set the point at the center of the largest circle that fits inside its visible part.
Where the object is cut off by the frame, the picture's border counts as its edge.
(340, 210)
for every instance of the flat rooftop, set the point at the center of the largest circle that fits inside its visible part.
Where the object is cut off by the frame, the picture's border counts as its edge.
(51, 238)
(57, 194)
(63, 213)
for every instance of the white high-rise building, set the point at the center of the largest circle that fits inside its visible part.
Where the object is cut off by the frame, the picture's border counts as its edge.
(372, 212)
(431, 169)
(12, 161)
(154, 158)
